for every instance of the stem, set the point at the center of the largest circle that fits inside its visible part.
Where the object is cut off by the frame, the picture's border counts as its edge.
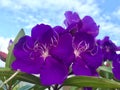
(5, 82)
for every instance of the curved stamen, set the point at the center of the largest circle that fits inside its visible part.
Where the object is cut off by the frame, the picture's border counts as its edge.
(94, 51)
(54, 41)
(26, 48)
(39, 49)
(81, 47)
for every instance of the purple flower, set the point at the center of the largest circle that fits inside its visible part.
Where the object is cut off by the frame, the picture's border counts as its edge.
(75, 24)
(108, 48)
(45, 52)
(88, 55)
(116, 67)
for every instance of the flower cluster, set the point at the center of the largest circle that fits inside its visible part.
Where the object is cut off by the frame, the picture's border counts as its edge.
(56, 52)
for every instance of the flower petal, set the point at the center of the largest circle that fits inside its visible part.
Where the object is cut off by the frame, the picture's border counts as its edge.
(85, 40)
(42, 33)
(116, 67)
(89, 26)
(25, 65)
(71, 18)
(59, 29)
(64, 51)
(53, 72)
(93, 58)
(80, 68)
(23, 47)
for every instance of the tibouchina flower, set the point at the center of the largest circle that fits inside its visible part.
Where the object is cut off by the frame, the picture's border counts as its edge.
(108, 48)
(88, 55)
(45, 52)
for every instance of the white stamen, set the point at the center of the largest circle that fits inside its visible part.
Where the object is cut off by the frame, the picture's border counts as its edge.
(76, 52)
(45, 54)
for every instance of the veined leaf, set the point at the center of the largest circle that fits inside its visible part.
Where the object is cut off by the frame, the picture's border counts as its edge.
(10, 56)
(87, 81)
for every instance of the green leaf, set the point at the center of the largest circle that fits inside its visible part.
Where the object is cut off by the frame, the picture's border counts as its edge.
(21, 76)
(87, 81)
(106, 69)
(26, 87)
(38, 87)
(105, 72)
(10, 56)
(74, 88)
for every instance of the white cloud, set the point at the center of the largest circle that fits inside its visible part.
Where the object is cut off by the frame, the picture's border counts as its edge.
(52, 12)
(86, 6)
(4, 42)
(108, 28)
(116, 13)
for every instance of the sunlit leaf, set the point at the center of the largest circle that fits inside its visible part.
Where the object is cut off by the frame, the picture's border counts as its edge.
(21, 76)
(106, 69)
(86, 81)
(10, 56)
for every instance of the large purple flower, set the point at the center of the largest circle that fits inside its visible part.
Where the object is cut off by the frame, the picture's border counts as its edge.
(45, 52)
(88, 55)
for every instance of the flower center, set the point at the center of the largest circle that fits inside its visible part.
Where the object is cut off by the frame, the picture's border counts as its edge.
(80, 48)
(45, 54)
(40, 50)
(76, 52)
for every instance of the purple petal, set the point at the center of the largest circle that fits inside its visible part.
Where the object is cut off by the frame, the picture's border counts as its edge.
(87, 88)
(89, 26)
(23, 47)
(109, 49)
(42, 33)
(74, 27)
(64, 50)
(25, 65)
(80, 68)
(116, 67)
(53, 72)
(85, 40)
(71, 18)
(59, 29)
(116, 73)
(94, 57)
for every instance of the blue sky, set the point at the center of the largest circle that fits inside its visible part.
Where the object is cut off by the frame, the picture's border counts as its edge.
(17, 14)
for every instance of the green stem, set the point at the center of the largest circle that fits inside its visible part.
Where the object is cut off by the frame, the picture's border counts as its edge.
(5, 82)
